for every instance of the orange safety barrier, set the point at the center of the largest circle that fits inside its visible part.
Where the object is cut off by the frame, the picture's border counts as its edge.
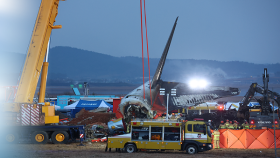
(249, 138)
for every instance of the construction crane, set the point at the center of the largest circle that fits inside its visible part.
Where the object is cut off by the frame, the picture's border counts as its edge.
(26, 118)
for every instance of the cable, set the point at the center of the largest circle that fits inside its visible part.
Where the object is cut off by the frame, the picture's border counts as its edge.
(142, 49)
(148, 51)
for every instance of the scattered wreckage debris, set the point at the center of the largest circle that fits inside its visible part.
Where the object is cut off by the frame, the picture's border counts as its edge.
(85, 117)
(95, 123)
(96, 130)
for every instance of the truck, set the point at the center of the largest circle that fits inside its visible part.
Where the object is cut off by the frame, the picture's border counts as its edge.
(152, 134)
(205, 111)
(24, 118)
(262, 116)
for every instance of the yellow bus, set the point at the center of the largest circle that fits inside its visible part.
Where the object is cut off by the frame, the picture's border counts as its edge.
(190, 136)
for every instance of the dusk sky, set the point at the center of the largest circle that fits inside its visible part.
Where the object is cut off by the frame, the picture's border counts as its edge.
(223, 30)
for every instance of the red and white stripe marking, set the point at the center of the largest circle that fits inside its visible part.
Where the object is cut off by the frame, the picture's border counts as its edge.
(29, 115)
(81, 135)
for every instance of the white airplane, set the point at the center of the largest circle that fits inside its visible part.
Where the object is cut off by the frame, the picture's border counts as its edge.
(134, 104)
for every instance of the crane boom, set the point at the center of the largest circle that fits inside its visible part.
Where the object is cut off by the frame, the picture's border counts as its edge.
(36, 52)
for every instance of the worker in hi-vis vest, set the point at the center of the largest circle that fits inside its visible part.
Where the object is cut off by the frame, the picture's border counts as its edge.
(222, 125)
(245, 125)
(216, 135)
(227, 124)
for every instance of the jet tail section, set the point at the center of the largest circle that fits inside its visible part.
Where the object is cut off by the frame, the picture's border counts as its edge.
(163, 58)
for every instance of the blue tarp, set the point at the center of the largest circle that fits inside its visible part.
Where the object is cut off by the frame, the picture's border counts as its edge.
(251, 104)
(87, 105)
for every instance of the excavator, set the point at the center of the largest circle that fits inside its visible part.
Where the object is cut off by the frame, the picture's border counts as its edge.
(24, 118)
(262, 116)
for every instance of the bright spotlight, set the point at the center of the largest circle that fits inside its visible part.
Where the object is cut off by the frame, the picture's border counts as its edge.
(203, 83)
(195, 83)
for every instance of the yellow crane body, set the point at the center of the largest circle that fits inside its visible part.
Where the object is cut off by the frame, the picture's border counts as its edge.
(35, 60)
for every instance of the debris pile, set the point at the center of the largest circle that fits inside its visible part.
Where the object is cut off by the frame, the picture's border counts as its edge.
(95, 122)
(96, 130)
(85, 117)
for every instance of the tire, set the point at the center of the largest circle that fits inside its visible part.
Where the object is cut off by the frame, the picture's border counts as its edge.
(39, 137)
(191, 149)
(130, 148)
(11, 138)
(60, 137)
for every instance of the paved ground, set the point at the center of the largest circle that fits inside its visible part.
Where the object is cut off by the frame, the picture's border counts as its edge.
(98, 150)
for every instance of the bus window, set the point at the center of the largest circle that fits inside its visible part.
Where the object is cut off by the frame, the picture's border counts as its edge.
(198, 128)
(190, 127)
(140, 133)
(156, 133)
(171, 134)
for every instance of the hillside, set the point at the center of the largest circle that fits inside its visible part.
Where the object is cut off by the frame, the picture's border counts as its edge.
(71, 64)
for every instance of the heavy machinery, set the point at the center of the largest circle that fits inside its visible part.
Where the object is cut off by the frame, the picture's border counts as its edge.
(150, 134)
(24, 118)
(214, 112)
(260, 116)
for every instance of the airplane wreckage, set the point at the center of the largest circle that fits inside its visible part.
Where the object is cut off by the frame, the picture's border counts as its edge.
(134, 104)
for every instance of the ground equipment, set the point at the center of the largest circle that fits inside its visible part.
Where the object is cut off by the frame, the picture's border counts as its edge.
(260, 116)
(24, 118)
(150, 134)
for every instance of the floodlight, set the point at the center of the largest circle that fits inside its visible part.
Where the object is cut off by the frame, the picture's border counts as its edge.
(198, 83)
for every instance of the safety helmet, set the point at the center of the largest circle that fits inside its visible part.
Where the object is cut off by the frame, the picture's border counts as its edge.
(222, 121)
(230, 121)
(227, 120)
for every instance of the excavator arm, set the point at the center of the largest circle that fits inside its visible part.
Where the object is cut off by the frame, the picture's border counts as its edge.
(263, 90)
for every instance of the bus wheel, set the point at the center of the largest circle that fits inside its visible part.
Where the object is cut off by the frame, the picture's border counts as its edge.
(60, 137)
(191, 149)
(130, 148)
(39, 137)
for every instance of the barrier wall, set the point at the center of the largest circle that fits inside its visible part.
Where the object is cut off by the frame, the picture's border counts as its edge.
(249, 138)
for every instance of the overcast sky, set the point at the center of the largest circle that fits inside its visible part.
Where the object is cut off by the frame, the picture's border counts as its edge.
(223, 30)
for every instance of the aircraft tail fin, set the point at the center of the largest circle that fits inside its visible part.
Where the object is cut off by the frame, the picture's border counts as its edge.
(163, 57)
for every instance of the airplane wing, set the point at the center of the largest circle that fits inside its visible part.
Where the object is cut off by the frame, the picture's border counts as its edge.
(186, 96)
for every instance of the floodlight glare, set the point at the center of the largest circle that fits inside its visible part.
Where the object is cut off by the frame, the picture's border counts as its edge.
(198, 84)
(203, 83)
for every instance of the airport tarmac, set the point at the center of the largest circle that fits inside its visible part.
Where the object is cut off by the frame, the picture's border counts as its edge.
(98, 150)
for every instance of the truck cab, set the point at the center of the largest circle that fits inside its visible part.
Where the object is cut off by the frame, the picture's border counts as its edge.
(197, 133)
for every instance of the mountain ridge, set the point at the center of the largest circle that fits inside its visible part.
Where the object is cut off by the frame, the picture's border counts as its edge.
(78, 64)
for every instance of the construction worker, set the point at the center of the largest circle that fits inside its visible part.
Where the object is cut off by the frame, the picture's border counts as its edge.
(235, 124)
(222, 125)
(127, 128)
(173, 117)
(227, 124)
(239, 127)
(245, 125)
(216, 135)
(230, 126)
(163, 116)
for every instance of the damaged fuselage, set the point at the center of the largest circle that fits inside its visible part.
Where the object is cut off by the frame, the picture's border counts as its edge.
(138, 104)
